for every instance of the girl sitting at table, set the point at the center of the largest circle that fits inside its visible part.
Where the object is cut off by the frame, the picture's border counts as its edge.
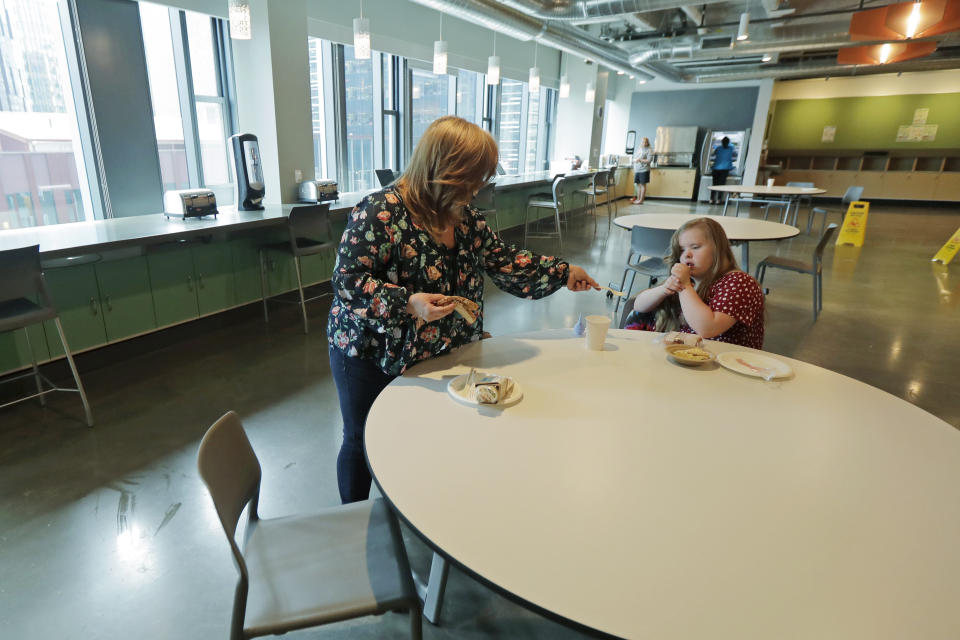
(706, 293)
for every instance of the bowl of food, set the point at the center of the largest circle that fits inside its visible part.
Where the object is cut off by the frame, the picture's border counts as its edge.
(689, 356)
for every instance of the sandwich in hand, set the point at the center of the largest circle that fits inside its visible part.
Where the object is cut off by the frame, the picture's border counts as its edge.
(465, 307)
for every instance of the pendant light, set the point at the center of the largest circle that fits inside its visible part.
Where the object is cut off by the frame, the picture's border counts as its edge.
(534, 82)
(744, 31)
(493, 64)
(564, 86)
(440, 53)
(590, 94)
(240, 19)
(361, 36)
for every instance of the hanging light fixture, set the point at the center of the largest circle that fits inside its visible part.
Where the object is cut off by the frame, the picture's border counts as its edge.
(440, 53)
(641, 82)
(590, 94)
(744, 31)
(361, 36)
(493, 64)
(240, 19)
(913, 21)
(564, 87)
(534, 83)
(766, 58)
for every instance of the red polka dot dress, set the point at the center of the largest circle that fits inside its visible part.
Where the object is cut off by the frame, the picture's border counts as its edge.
(737, 294)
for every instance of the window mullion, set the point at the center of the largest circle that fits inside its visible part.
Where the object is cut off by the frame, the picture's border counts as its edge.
(378, 154)
(188, 110)
(340, 115)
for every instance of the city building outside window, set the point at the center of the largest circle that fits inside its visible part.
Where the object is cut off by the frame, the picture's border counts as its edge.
(429, 100)
(511, 130)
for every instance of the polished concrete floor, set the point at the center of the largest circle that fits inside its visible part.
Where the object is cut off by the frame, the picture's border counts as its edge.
(109, 533)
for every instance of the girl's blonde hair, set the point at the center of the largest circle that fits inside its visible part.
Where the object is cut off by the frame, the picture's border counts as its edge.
(668, 314)
(450, 163)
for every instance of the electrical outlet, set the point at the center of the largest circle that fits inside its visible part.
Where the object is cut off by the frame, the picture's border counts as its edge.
(297, 175)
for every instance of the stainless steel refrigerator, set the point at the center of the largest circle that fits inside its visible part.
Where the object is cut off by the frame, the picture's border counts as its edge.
(739, 141)
(675, 147)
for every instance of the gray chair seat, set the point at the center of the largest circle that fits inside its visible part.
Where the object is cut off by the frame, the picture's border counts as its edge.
(540, 202)
(311, 570)
(789, 264)
(21, 312)
(814, 268)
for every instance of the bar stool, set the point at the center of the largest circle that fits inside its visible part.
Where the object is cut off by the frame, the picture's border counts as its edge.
(306, 225)
(21, 282)
(598, 187)
(485, 202)
(555, 203)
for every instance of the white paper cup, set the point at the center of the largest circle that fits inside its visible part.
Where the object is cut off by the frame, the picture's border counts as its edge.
(597, 327)
(769, 182)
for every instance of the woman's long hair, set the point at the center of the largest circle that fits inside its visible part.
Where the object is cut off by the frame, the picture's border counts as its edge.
(668, 314)
(450, 163)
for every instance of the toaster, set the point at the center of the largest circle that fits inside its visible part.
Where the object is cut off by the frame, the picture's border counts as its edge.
(318, 190)
(189, 203)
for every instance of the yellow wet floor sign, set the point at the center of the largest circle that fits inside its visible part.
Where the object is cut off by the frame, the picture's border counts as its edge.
(947, 251)
(854, 224)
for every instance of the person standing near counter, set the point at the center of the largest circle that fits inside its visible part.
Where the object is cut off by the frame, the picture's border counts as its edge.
(723, 157)
(404, 250)
(641, 171)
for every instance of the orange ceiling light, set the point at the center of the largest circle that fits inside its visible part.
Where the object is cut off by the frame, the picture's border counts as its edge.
(903, 21)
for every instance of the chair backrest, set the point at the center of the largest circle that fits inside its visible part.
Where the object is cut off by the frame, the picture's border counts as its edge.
(650, 242)
(21, 274)
(485, 198)
(558, 189)
(822, 243)
(612, 179)
(600, 179)
(312, 222)
(385, 176)
(852, 195)
(231, 471)
(808, 185)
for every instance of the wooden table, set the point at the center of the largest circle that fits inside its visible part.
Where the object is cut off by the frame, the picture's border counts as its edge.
(740, 231)
(636, 498)
(790, 194)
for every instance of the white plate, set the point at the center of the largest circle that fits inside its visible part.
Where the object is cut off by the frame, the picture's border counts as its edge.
(754, 364)
(458, 391)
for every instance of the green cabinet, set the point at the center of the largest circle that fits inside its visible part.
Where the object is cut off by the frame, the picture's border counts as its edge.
(125, 297)
(75, 294)
(14, 350)
(213, 268)
(173, 285)
(245, 257)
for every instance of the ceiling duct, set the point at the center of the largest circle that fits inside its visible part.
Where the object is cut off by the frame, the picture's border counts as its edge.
(797, 71)
(500, 18)
(575, 10)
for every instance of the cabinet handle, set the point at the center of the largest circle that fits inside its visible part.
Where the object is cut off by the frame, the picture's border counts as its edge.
(189, 283)
(93, 306)
(109, 304)
(200, 281)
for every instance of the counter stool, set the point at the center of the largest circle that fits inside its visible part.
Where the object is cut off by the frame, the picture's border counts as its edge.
(306, 226)
(555, 203)
(485, 202)
(21, 282)
(598, 187)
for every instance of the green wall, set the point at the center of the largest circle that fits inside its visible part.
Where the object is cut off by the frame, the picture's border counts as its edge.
(863, 123)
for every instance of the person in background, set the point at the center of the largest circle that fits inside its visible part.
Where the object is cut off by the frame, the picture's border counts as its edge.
(404, 249)
(723, 156)
(706, 293)
(641, 171)
(575, 162)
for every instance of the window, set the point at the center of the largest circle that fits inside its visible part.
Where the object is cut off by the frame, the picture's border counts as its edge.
(390, 89)
(319, 54)
(42, 175)
(358, 173)
(530, 161)
(541, 112)
(429, 97)
(512, 108)
(192, 113)
(469, 95)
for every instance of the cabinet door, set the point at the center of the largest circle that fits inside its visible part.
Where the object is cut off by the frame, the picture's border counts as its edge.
(656, 186)
(13, 347)
(173, 286)
(947, 187)
(213, 268)
(246, 268)
(125, 297)
(77, 298)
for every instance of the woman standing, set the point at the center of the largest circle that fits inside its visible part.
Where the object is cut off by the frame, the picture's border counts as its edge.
(405, 248)
(641, 171)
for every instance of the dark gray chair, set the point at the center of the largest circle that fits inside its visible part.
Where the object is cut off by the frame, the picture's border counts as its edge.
(310, 233)
(302, 571)
(485, 202)
(599, 184)
(813, 268)
(25, 301)
(653, 243)
(386, 176)
(801, 200)
(853, 194)
(555, 203)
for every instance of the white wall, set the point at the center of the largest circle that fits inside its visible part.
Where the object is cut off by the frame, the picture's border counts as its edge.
(885, 84)
(409, 29)
(617, 117)
(574, 114)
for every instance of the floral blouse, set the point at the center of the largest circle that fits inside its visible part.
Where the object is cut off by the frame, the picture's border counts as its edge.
(384, 257)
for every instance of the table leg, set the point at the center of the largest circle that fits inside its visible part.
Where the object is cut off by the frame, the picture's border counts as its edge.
(726, 201)
(745, 256)
(431, 593)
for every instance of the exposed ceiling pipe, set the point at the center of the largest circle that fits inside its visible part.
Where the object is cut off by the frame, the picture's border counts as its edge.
(782, 72)
(584, 9)
(502, 19)
(695, 14)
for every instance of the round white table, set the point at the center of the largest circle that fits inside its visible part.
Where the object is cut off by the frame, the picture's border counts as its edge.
(790, 194)
(638, 498)
(738, 230)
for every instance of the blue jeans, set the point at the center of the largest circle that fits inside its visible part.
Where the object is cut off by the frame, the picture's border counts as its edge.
(359, 382)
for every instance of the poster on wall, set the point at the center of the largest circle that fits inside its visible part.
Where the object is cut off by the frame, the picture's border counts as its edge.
(920, 116)
(917, 133)
(829, 133)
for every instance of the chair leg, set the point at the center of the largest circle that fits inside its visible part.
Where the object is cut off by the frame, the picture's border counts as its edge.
(303, 303)
(76, 376)
(416, 622)
(263, 286)
(36, 371)
(436, 586)
(559, 230)
(815, 298)
(623, 281)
